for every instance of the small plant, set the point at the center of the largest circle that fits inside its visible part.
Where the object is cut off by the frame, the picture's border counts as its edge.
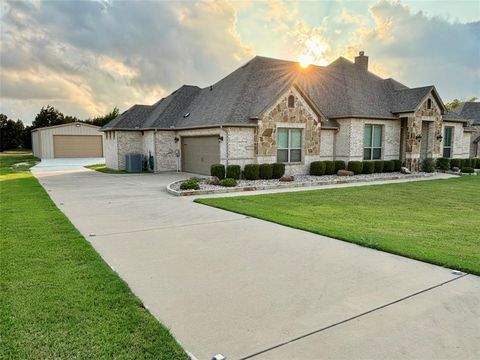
(339, 165)
(228, 182)
(278, 170)
(455, 163)
(355, 166)
(443, 164)
(266, 171)
(233, 172)
(428, 165)
(368, 167)
(389, 166)
(329, 168)
(398, 165)
(189, 185)
(251, 172)
(467, 170)
(378, 166)
(317, 168)
(194, 178)
(217, 170)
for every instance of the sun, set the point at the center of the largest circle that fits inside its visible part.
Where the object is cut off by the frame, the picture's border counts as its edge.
(305, 60)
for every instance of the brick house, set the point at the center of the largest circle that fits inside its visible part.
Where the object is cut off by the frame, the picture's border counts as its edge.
(471, 112)
(272, 110)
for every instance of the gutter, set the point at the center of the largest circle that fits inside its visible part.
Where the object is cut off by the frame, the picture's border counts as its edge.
(180, 129)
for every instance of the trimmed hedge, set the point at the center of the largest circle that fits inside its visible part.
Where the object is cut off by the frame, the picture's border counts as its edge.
(477, 163)
(251, 172)
(467, 163)
(266, 171)
(278, 170)
(467, 170)
(339, 165)
(398, 165)
(368, 167)
(190, 184)
(317, 168)
(428, 165)
(443, 164)
(218, 170)
(329, 168)
(378, 166)
(228, 182)
(389, 166)
(355, 166)
(233, 172)
(455, 163)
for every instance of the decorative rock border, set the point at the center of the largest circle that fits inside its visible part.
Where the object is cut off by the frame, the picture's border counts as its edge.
(287, 185)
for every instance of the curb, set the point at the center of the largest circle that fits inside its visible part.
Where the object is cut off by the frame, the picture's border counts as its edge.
(283, 186)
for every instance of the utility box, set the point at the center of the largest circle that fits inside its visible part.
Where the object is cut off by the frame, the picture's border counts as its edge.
(134, 163)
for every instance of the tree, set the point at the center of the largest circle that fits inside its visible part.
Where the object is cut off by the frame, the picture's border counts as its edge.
(48, 116)
(11, 133)
(456, 102)
(105, 119)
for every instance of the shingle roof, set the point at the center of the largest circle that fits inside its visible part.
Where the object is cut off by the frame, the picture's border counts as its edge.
(469, 110)
(341, 89)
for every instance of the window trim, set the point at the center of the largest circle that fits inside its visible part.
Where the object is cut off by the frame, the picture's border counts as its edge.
(289, 148)
(449, 147)
(371, 147)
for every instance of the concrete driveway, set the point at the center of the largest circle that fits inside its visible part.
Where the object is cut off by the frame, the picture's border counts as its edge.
(65, 164)
(246, 288)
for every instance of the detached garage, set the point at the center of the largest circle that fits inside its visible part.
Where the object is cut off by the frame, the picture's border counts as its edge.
(73, 140)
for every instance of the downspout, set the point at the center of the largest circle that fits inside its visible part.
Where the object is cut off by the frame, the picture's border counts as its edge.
(226, 144)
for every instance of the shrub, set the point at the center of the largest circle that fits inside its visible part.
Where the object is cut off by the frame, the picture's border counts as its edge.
(378, 166)
(443, 164)
(477, 163)
(329, 168)
(217, 170)
(454, 163)
(368, 167)
(317, 168)
(398, 165)
(194, 178)
(462, 163)
(228, 182)
(467, 163)
(355, 166)
(233, 172)
(428, 165)
(389, 166)
(467, 170)
(278, 170)
(251, 172)
(339, 165)
(189, 184)
(266, 171)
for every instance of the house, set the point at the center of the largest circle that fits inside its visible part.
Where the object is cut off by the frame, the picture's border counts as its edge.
(471, 112)
(272, 110)
(72, 140)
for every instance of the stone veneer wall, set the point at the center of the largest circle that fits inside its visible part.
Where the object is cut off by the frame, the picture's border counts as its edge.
(128, 142)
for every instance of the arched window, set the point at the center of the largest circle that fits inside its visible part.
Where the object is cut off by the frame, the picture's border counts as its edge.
(291, 101)
(429, 103)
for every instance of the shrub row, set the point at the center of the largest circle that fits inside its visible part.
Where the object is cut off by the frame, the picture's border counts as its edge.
(250, 171)
(319, 168)
(447, 164)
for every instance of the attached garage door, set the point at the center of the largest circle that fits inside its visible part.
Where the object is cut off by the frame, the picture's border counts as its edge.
(77, 146)
(198, 153)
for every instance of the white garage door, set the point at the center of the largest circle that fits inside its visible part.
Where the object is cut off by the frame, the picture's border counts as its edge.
(77, 146)
(199, 153)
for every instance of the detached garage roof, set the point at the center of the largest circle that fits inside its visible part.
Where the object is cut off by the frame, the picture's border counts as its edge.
(341, 89)
(76, 123)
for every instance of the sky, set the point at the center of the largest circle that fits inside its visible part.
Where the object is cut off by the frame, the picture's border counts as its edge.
(86, 57)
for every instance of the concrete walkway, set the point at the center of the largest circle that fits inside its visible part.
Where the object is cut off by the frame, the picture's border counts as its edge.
(246, 288)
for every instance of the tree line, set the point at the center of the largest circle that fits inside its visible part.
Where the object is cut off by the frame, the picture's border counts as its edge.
(14, 134)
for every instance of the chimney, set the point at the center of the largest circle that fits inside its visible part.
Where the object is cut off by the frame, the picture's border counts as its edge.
(362, 60)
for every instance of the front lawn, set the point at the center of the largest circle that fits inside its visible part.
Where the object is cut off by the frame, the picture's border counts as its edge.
(436, 221)
(103, 168)
(58, 298)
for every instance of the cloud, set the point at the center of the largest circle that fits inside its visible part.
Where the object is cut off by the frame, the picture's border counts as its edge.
(90, 56)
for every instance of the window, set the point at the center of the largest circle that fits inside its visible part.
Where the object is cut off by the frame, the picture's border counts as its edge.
(372, 142)
(291, 101)
(429, 103)
(289, 147)
(447, 142)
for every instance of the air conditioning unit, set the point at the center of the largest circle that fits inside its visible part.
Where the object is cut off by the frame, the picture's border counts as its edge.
(134, 163)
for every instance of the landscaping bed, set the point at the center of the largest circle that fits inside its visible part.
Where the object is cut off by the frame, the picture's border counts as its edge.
(299, 181)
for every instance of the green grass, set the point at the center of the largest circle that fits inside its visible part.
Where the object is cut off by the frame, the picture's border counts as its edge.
(58, 298)
(103, 168)
(436, 221)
